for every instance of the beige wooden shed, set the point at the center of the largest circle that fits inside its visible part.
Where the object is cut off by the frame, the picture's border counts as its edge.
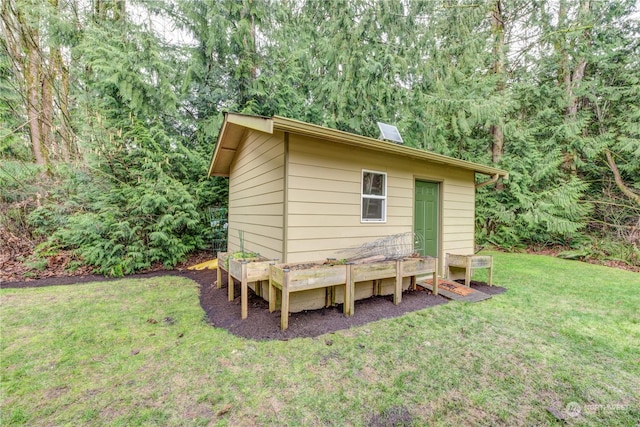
(301, 192)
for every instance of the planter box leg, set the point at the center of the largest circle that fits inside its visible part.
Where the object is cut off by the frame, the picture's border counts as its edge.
(230, 288)
(244, 292)
(328, 296)
(284, 306)
(219, 277)
(490, 273)
(284, 310)
(272, 296)
(348, 292)
(467, 273)
(435, 283)
(397, 294)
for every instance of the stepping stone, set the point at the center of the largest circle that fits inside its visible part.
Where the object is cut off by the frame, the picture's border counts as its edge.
(455, 291)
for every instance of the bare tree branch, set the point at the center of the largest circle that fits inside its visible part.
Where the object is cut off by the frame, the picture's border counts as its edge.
(618, 178)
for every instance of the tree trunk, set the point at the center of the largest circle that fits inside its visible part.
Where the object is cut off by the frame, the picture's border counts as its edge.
(32, 77)
(497, 28)
(618, 178)
(574, 79)
(47, 77)
(22, 43)
(70, 151)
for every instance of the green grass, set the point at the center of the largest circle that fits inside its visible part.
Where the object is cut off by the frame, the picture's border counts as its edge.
(564, 332)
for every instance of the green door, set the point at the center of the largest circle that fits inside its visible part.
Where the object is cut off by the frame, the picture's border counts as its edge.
(426, 218)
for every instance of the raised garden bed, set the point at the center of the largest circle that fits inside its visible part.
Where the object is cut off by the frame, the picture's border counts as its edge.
(462, 266)
(252, 272)
(249, 272)
(291, 279)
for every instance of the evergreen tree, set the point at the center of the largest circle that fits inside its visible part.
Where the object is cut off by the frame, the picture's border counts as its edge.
(547, 90)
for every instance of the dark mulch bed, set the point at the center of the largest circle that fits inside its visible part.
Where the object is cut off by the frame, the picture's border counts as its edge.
(262, 325)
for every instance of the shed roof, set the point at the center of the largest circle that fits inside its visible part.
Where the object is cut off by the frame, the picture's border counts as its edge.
(234, 126)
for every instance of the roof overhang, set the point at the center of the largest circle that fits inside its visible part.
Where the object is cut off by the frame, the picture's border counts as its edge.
(235, 125)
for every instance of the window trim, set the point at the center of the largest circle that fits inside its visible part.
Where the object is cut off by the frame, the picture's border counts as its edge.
(373, 196)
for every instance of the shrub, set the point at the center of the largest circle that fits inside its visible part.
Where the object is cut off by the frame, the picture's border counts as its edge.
(130, 227)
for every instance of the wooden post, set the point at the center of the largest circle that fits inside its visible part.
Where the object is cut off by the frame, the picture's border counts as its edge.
(397, 294)
(346, 309)
(272, 291)
(230, 287)
(447, 270)
(467, 272)
(244, 291)
(219, 276)
(352, 292)
(490, 273)
(258, 287)
(435, 281)
(284, 309)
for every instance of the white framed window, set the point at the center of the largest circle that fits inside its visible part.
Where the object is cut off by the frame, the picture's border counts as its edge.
(373, 196)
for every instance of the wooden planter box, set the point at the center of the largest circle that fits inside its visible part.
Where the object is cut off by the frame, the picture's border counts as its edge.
(346, 278)
(462, 266)
(250, 272)
(398, 269)
(290, 281)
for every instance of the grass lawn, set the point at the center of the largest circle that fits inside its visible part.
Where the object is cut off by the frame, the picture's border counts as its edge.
(564, 335)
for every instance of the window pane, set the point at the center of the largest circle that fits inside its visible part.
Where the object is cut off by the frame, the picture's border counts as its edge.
(373, 209)
(373, 183)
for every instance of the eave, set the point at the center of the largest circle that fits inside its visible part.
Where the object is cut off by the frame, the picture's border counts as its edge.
(235, 124)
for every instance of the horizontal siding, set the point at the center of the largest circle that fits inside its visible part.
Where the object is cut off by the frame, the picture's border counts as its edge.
(324, 196)
(459, 248)
(302, 221)
(454, 216)
(272, 190)
(255, 145)
(315, 184)
(337, 245)
(258, 244)
(457, 205)
(255, 179)
(269, 209)
(268, 198)
(324, 209)
(258, 218)
(324, 199)
(458, 190)
(259, 230)
(367, 231)
(459, 228)
(256, 195)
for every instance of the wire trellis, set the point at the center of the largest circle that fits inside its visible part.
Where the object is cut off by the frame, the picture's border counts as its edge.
(394, 246)
(217, 216)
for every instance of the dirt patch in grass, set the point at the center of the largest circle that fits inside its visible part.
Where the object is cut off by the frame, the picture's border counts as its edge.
(262, 325)
(395, 416)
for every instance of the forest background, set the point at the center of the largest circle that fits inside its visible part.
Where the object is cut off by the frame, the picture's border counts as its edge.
(110, 109)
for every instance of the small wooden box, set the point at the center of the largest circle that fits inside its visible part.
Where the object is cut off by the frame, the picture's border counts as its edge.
(462, 266)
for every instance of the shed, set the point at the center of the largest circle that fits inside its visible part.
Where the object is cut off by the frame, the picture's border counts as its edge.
(301, 192)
